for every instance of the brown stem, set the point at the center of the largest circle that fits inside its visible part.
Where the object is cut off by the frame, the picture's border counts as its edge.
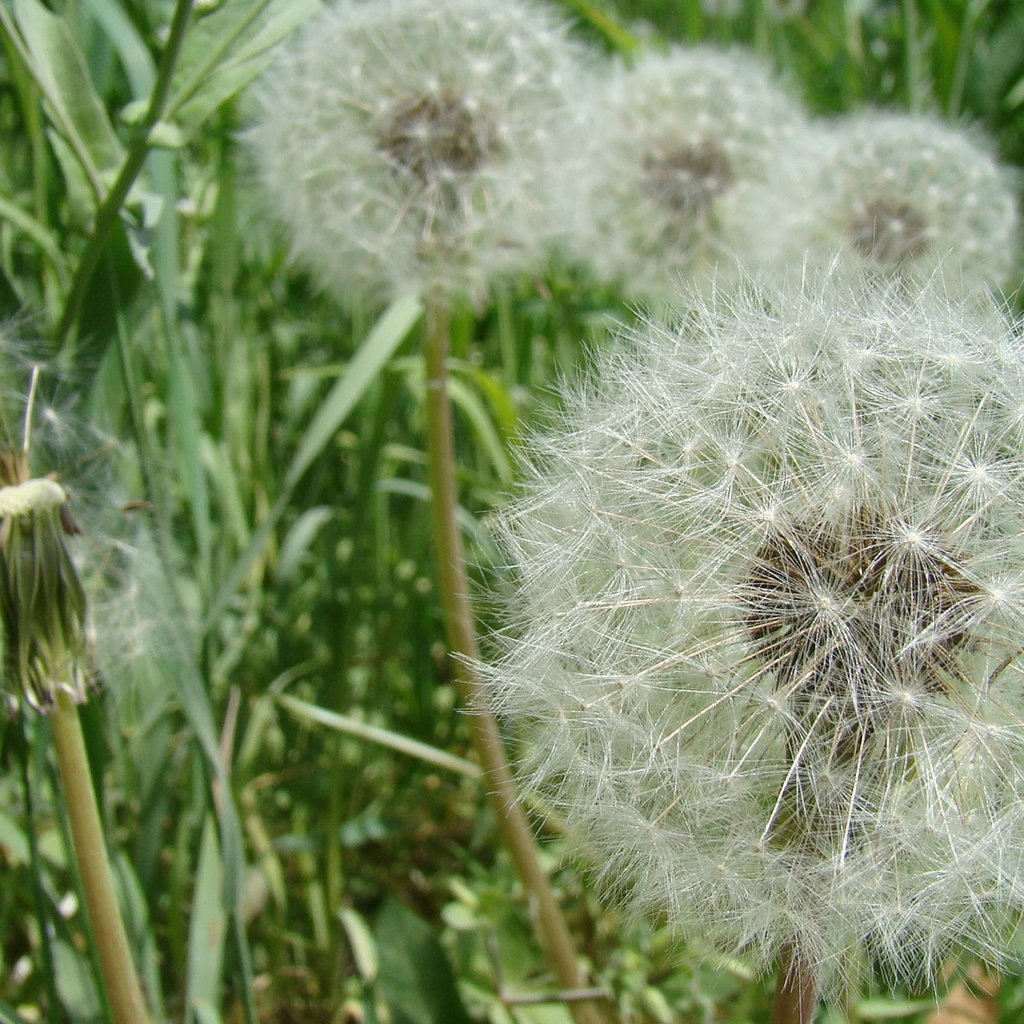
(458, 613)
(796, 992)
(122, 984)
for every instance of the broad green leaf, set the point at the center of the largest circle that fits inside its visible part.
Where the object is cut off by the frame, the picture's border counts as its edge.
(9, 1016)
(135, 56)
(227, 49)
(60, 71)
(13, 843)
(360, 941)
(415, 978)
(75, 981)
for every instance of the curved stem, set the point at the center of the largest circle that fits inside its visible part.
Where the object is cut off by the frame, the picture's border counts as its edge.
(458, 613)
(796, 991)
(110, 208)
(116, 965)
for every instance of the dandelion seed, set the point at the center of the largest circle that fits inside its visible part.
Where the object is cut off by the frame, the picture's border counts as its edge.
(818, 742)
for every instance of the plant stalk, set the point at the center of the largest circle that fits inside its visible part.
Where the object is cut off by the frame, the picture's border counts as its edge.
(119, 975)
(796, 991)
(459, 625)
(110, 208)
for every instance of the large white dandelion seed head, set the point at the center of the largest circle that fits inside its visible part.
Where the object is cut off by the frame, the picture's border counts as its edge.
(404, 143)
(675, 144)
(766, 613)
(905, 195)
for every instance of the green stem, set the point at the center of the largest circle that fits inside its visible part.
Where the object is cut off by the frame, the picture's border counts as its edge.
(458, 613)
(116, 965)
(796, 991)
(110, 208)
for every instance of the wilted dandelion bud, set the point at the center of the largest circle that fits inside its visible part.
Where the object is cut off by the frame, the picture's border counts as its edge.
(903, 195)
(675, 144)
(404, 142)
(768, 600)
(42, 603)
(51, 591)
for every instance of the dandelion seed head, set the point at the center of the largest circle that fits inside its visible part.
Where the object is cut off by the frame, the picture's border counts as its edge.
(674, 144)
(904, 195)
(794, 623)
(405, 143)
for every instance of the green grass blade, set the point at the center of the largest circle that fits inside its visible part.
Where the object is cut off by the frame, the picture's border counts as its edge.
(388, 333)
(383, 737)
(382, 342)
(207, 929)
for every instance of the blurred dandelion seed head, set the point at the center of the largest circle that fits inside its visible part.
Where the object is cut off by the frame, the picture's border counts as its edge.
(766, 609)
(905, 195)
(406, 143)
(674, 145)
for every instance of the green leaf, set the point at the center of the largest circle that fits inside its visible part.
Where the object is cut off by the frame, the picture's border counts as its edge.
(299, 538)
(31, 228)
(208, 926)
(10, 1016)
(123, 35)
(59, 69)
(360, 941)
(385, 737)
(473, 409)
(415, 980)
(381, 343)
(13, 842)
(75, 982)
(388, 333)
(227, 49)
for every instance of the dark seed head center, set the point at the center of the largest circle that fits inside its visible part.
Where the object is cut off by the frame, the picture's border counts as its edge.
(889, 232)
(685, 179)
(435, 136)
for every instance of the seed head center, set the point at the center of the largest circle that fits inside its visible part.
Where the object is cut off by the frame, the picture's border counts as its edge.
(686, 179)
(889, 232)
(856, 611)
(435, 136)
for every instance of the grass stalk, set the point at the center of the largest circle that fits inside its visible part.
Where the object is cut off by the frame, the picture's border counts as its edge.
(461, 632)
(119, 975)
(796, 991)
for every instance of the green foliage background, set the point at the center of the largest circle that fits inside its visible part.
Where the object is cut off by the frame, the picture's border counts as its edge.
(279, 862)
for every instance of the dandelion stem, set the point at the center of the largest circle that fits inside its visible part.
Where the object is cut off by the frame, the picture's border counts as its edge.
(458, 612)
(796, 992)
(116, 965)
